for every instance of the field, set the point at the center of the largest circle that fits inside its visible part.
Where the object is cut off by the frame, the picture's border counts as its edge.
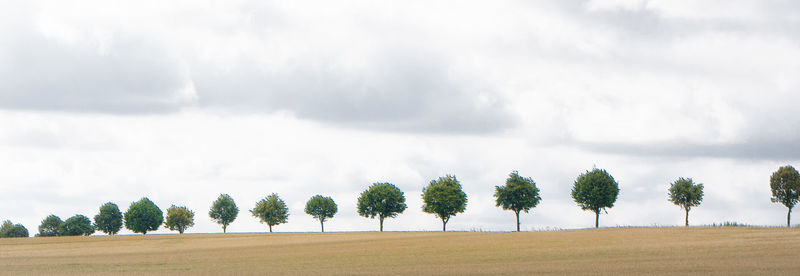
(720, 250)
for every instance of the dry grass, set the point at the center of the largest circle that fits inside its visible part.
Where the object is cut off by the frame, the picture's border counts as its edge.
(723, 250)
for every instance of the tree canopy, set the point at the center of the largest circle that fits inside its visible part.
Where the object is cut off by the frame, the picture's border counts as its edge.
(179, 218)
(143, 216)
(519, 194)
(383, 200)
(271, 210)
(50, 226)
(224, 211)
(321, 208)
(785, 185)
(109, 220)
(10, 230)
(685, 193)
(595, 190)
(77, 225)
(444, 198)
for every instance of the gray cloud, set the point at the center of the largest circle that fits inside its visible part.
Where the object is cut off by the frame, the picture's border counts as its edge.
(134, 72)
(406, 91)
(759, 150)
(130, 75)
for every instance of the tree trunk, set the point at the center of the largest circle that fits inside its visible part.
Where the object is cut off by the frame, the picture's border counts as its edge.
(596, 219)
(223, 229)
(322, 226)
(789, 218)
(517, 213)
(381, 219)
(687, 218)
(270, 228)
(444, 225)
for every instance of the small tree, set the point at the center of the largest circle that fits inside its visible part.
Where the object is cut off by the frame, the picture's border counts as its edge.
(685, 193)
(11, 230)
(271, 210)
(143, 216)
(595, 190)
(223, 211)
(179, 218)
(321, 208)
(519, 194)
(109, 220)
(383, 200)
(785, 185)
(50, 226)
(77, 225)
(444, 198)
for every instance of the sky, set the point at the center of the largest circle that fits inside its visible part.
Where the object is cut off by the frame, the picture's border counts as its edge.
(181, 101)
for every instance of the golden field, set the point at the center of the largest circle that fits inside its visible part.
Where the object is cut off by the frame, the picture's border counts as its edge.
(719, 250)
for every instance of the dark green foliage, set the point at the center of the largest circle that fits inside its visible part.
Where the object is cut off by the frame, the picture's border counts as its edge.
(785, 185)
(143, 216)
(11, 230)
(109, 220)
(685, 193)
(50, 226)
(77, 225)
(383, 200)
(271, 210)
(179, 218)
(321, 208)
(444, 198)
(519, 194)
(224, 211)
(595, 190)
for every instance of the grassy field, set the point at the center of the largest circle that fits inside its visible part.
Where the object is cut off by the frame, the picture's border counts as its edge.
(720, 250)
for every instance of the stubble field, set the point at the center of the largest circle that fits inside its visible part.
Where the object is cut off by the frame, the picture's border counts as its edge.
(722, 250)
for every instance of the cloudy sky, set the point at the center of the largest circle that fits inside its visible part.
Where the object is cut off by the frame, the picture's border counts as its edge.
(182, 101)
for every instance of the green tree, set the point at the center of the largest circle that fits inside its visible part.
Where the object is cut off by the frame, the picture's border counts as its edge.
(519, 194)
(179, 218)
(383, 200)
(595, 190)
(224, 211)
(321, 208)
(685, 193)
(50, 226)
(444, 198)
(77, 225)
(785, 185)
(143, 216)
(271, 210)
(11, 230)
(109, 220)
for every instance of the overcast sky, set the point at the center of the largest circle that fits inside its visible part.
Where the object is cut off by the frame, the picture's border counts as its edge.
(181, 101)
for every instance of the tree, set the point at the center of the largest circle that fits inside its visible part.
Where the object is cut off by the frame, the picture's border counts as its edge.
(109, 220)
(595, 190)
(685, 193)
(271, 210)
(444, 198)
(383, 200)
(50, 226)
(143, 216)
(321, 208)
(11, 230)
(223, 211)
(179, 218)
(519, 194)
(77, 225)
(785, 185)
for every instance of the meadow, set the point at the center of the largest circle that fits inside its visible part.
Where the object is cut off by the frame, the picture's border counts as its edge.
(694, 250)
